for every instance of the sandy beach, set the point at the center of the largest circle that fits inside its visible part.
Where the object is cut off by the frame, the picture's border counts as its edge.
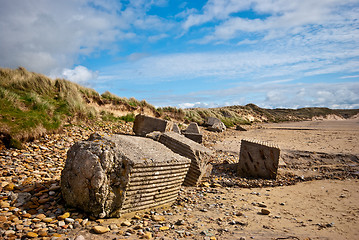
(315, 195)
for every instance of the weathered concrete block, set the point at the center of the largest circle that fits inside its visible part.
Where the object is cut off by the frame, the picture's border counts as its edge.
(258, 159)
(210, 121)
(175, 128)
(192, 128)
(194, 137)
(200, 156)
(192, 132)
(217, 127)
(144, 124)
(111, 175)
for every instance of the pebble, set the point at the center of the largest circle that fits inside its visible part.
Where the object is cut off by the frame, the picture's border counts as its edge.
(80, 237)
(100, 229)
(158, 218)
(126, 223)
(147, 235)
(31, 235)
(164, 228)
(265, 211)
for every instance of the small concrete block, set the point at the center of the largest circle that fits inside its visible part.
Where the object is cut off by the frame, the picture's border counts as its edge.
(258, 159)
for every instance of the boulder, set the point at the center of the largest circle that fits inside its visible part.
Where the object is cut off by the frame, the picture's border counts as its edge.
(107, 176)
(192, 132)
(144, 124)
(258, 159)
(200, 156)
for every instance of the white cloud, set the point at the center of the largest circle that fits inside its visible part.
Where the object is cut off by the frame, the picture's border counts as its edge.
(332, 95)
(79, 74)
(47, 35)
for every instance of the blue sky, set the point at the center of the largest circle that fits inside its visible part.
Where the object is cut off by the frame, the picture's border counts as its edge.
(273, 53)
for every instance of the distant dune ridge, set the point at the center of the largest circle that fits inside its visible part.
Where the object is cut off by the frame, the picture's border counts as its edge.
(33, 104)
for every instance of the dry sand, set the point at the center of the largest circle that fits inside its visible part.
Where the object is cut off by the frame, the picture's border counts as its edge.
(317, 209)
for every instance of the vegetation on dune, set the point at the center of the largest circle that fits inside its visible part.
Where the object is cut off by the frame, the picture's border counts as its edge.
(33, 104)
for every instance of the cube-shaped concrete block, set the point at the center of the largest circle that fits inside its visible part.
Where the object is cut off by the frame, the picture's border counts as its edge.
(200, 156)
(107, 176)
(145, 124)
(258, 160)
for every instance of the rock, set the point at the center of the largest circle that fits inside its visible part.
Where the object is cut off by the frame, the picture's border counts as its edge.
(47, 220)
(180, 222)
(9, 187)
(31, 235)
(111, 175)
(9, 233)
(145, 124)
(63, 216)
(265, 211)
(147, 235)
(69, 220)
(80, 237)
(100, 229)
(164, 228)
(158, 218)
(200, 156)
(4, 204)
(258, 160)
(126, 223)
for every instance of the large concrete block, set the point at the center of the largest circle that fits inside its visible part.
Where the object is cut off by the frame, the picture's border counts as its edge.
(144, 124)
(112, 175)
(210, 121)
(200, 156)
(258, 159)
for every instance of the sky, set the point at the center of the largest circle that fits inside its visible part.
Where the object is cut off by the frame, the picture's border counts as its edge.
(273, 53)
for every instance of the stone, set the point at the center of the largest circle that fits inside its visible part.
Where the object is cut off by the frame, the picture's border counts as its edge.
(9, 233)
(126, 223)
(100, 229)
(265, 211)
(158, 218)
(4, 204)
(164, 228)
(107, 176)
(9, 187)
(80, 237)
(63, 216)
(258, 160)
(47, 219)
(31, 235)
(145, 124)
(147, 235)
(200, 156)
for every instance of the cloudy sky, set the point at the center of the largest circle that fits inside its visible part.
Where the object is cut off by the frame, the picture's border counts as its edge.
(274, 53)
